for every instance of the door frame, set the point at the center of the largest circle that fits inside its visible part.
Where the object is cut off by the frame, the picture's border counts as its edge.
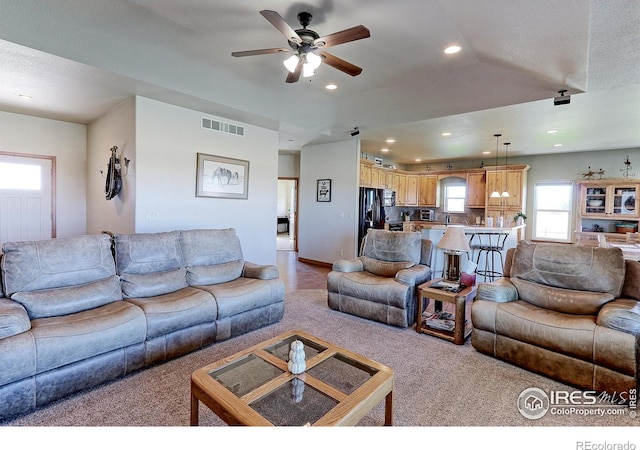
(52, 160)
(296, 181)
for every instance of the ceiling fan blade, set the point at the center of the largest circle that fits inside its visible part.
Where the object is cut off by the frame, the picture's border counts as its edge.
(294, 76)
(340, 64)
(265, 51)
(340, 37)
(277, 21)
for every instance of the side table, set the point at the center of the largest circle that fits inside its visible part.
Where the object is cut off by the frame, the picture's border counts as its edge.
(462, 328)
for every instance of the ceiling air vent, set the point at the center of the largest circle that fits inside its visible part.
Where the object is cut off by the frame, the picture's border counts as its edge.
(222, 127)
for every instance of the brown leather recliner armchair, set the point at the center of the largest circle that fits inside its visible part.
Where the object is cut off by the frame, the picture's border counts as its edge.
(381, 284)
(567, 312)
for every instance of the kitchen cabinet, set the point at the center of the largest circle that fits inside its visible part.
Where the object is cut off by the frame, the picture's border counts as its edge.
(476, 189)
(512, 179)
(365, 174)
(501, 180)
(412, 190)
(606, 206)
(400, 186)
(428, 190)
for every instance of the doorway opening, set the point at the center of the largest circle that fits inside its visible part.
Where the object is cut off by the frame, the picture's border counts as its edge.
(27, 197)
(287, 209)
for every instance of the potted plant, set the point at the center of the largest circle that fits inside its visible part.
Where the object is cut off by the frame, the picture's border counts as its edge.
(520, 218)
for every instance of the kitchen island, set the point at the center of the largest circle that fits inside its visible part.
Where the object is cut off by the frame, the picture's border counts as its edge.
(434, 233)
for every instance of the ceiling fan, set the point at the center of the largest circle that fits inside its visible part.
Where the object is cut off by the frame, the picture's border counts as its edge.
(306, 44)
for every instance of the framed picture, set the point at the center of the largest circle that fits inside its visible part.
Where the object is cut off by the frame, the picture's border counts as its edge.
(217, 176)
(324, 191)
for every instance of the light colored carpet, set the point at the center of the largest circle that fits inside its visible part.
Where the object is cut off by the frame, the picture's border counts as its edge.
(436, 383)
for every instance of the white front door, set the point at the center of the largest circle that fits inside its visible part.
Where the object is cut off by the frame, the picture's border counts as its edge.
(26, 210)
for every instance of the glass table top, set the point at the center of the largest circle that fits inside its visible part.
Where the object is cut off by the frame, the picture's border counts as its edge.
(295, 402)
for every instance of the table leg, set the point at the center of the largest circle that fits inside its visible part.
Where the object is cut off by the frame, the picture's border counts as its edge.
(388, 409)
(461, 316)
(194, 411)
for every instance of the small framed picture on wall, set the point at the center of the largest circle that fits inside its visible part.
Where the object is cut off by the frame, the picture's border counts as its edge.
(324, 191)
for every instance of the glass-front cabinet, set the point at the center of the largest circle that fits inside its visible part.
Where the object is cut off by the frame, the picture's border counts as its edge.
(606, 207)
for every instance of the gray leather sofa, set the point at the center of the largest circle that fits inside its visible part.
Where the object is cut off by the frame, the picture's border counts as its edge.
(570, 313)
(77, 312)
(381, 284)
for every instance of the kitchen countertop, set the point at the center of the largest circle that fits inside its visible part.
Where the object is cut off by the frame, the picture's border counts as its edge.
(467, 228)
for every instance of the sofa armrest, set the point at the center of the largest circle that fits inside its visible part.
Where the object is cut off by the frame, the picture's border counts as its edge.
(414, 276)
(622, 314)
(348, 265)
(260, 271)
(13, 318)
(500, 291)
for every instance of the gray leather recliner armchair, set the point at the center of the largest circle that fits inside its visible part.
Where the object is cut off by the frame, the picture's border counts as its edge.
(381, 284)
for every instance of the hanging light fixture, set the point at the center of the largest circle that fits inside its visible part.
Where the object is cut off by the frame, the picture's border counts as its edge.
(291, 63)
(505, 194)
(496, 193)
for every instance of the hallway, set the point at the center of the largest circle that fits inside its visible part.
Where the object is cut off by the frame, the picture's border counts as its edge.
(297, 275)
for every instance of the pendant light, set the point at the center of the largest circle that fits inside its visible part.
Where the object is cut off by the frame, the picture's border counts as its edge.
(505, 194)
(496, 193)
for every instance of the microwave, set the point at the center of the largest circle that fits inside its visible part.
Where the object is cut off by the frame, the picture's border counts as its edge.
(427, 215)
(389, 197)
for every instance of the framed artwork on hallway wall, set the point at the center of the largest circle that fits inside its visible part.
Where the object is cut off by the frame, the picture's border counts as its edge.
(221, 177)
(324, 191)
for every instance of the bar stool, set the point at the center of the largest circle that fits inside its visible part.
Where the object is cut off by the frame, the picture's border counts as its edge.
(490, 245)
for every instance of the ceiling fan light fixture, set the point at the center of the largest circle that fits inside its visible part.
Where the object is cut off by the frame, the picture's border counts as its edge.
(308, 70)
(313, 60)
(291, 63)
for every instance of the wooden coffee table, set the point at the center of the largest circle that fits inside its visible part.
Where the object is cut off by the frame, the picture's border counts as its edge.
(254, 387)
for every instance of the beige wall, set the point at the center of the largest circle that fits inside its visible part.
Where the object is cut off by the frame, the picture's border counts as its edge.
(115, 128)
(67, 142)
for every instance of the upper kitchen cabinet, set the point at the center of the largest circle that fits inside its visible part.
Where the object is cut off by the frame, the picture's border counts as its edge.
(400, 186)
(366, 173)
(512, 180)
(476, 189)
(428, 190)
(412, 190)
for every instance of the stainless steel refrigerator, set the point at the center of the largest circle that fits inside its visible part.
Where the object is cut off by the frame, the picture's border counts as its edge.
(372, 213)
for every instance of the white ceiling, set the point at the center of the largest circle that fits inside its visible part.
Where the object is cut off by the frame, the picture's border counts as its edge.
(78, 59)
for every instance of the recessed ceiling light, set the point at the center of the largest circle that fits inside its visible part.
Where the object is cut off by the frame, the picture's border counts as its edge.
(390, 141)
(557, 145)
(452, 49)
(446, 133)
(486, 153)
(418, 160)
(331, 87)
(552, 131)
(25, 97)
(384, 150)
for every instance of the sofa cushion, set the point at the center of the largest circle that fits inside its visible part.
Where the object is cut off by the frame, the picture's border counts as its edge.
(214, 274)
(631, 286)
(154, 283)
(568, 301)
(244, 294)
(364, 285)
(211, 256)
(570, 267)
(384, 268)
(176, 311)
(53, 263)
(567, 334)
(13, 318)
(69, 300)
(386, 245)
(67, 339)
(148, 252)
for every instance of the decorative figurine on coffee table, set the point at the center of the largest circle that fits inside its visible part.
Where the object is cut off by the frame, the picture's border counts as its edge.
(296, 362)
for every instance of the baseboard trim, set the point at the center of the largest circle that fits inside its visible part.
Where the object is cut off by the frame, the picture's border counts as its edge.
(314, 262)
